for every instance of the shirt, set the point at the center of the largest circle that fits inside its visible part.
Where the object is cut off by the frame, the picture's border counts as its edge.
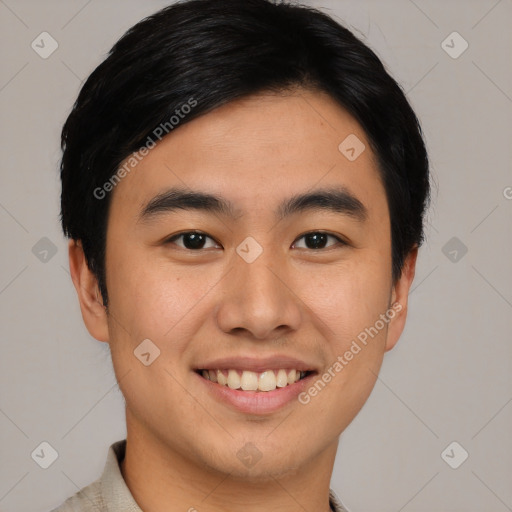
(111, 494)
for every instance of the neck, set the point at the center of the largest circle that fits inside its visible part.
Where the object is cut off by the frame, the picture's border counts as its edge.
(162, 479)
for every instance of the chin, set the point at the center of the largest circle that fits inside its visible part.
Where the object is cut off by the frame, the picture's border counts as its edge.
(262, 472)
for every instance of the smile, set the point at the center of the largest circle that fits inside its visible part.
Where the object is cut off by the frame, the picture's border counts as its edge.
(247, 380)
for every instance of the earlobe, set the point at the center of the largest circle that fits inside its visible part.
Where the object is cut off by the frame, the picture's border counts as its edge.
(399, 299)
(86, 285)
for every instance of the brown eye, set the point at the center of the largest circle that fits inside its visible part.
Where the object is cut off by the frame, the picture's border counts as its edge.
(317, 240)
(192, 240)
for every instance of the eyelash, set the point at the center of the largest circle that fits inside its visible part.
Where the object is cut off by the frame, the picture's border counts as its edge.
(337, 238)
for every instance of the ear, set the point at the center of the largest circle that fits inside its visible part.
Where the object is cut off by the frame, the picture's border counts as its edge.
(91, 304)
(399, 299)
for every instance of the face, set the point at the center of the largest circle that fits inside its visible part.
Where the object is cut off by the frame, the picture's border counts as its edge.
(255, 281)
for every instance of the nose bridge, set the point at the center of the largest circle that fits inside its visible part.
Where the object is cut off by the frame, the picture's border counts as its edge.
(256, 297)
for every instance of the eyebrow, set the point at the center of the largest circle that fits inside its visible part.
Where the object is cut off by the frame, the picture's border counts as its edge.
(333, 199)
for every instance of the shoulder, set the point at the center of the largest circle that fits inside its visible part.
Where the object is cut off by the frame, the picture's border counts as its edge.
(335, 503)
(109, 492)
(87, 499)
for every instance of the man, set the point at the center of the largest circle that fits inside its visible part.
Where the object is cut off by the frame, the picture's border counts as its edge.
(243, 186)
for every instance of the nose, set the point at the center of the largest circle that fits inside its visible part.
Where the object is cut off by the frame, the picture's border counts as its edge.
(256, 299)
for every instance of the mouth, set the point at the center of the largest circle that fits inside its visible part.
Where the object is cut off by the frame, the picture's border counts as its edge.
(255, 385)
(252, 381)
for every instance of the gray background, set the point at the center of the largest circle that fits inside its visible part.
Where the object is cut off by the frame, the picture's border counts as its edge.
(448, 379)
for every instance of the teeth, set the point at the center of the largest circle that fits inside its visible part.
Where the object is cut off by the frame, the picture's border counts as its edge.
(221, 378)
(267, 381)
(252, 381)
(281, 379)
(233, 379)
(249, 381)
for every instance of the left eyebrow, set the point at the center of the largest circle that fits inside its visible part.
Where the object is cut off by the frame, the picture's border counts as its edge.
(334, 199)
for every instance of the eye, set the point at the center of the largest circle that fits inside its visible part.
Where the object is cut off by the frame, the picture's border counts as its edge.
(317, 240)
(192, 240)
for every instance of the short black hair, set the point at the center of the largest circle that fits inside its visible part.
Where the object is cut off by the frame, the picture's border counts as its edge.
(207, 53)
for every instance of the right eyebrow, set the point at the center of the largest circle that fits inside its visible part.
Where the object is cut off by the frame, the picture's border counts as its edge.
(181, 199)
(331, 199)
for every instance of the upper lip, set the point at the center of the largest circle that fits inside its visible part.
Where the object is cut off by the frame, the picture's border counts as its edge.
(259, 364)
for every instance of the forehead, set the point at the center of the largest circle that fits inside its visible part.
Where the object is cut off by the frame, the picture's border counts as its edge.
(256, 151)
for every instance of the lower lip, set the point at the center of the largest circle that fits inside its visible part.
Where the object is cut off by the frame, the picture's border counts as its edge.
(257, 402)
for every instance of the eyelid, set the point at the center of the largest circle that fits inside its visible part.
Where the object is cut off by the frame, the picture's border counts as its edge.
(339, 239)
(172, 239)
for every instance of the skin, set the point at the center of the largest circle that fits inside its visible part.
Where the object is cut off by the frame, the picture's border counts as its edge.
(305, 302)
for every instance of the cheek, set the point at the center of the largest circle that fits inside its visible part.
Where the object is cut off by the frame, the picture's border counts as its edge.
(348, 298)
(353, 311)
(150, 298)
(140, 291)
